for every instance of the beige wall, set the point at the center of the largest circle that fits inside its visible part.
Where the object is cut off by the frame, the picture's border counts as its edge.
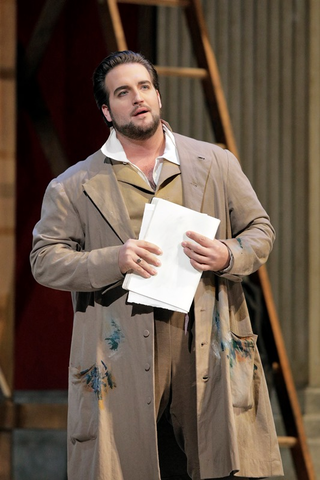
(314, 195)
(262, 53)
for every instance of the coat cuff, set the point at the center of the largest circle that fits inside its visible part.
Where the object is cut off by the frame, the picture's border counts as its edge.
(103, 267)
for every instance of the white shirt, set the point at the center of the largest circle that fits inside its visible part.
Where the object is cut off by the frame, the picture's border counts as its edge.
(113, 149)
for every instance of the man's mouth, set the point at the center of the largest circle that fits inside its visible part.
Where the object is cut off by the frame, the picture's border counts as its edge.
(140, 111)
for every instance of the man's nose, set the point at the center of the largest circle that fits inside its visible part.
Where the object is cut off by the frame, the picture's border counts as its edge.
(137, 98)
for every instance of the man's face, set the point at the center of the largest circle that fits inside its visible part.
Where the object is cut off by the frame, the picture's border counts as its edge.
(134, 103)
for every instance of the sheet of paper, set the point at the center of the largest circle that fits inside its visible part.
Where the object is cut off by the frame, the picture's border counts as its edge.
(176, 282)
(138, 297)
(152, 302)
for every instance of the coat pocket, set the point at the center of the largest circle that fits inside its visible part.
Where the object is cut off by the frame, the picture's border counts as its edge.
(83, 407)
(241, 358)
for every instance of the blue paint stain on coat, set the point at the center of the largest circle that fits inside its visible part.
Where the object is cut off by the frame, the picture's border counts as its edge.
(241, 349)
(116, 336)
(98, 379)
(220, 340)
(240, 242)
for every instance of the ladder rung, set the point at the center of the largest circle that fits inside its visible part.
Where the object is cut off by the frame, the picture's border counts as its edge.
(288, 442)
(182, 72)
(158, 3)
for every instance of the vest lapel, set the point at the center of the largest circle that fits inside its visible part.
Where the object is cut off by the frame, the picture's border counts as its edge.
(125, 174)
(168, 171)
(103, 191)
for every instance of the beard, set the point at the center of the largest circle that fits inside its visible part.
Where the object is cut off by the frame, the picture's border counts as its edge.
(136, 132)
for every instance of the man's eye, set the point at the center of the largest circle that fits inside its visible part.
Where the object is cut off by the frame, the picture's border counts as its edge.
(145, 87)
(123, 92)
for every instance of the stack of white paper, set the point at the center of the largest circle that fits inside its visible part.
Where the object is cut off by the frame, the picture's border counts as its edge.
(165, 224)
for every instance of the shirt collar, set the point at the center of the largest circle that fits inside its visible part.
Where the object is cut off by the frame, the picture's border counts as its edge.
(113, 148)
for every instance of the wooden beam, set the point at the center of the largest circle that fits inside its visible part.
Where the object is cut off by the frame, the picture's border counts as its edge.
(46, 416)
(159, 3)
(199, 73)
(43, 416)
(31, 99)
(41, 35)
(7, 211)
(4, 386)
(287, 442)
(5, 456)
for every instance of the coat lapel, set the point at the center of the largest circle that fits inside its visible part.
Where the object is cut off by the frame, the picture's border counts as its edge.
(194, 173)
(103, 191)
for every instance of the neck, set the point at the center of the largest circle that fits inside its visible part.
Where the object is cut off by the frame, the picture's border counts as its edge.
(141, 152)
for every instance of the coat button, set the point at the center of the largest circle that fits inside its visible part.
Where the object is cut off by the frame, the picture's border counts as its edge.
(205, 378)
(147, 367)
(149, 400)
(146, 333)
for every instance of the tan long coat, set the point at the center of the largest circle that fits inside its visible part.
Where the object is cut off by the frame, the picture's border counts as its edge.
(111, 423)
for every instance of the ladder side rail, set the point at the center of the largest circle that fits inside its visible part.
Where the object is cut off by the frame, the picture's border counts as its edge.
(287, 395)
(212, 86)
(111, 25)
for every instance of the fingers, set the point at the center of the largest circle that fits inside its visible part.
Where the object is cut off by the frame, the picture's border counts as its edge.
(204, 253)
(139, 256)
(199, 262)
(200, 239)
(150, 247)
(200, 246)
(142, 258)
(144, 268)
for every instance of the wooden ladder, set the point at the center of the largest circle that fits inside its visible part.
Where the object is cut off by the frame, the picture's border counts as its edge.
(208, 72)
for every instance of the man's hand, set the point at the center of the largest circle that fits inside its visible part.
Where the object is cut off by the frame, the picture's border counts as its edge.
(206, 254)
(139, 257)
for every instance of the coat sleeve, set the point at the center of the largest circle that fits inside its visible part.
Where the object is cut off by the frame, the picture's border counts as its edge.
(251, 234)
(58, 258)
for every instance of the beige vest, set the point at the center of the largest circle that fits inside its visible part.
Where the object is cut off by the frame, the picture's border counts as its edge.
(136, 192)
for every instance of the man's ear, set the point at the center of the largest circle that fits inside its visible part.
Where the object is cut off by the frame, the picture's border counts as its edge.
(159, 99)
(106, 113)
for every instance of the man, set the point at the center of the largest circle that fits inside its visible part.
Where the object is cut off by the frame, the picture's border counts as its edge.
(129, 362)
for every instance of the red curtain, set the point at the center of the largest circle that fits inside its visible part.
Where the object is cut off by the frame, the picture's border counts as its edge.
(63, 81)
